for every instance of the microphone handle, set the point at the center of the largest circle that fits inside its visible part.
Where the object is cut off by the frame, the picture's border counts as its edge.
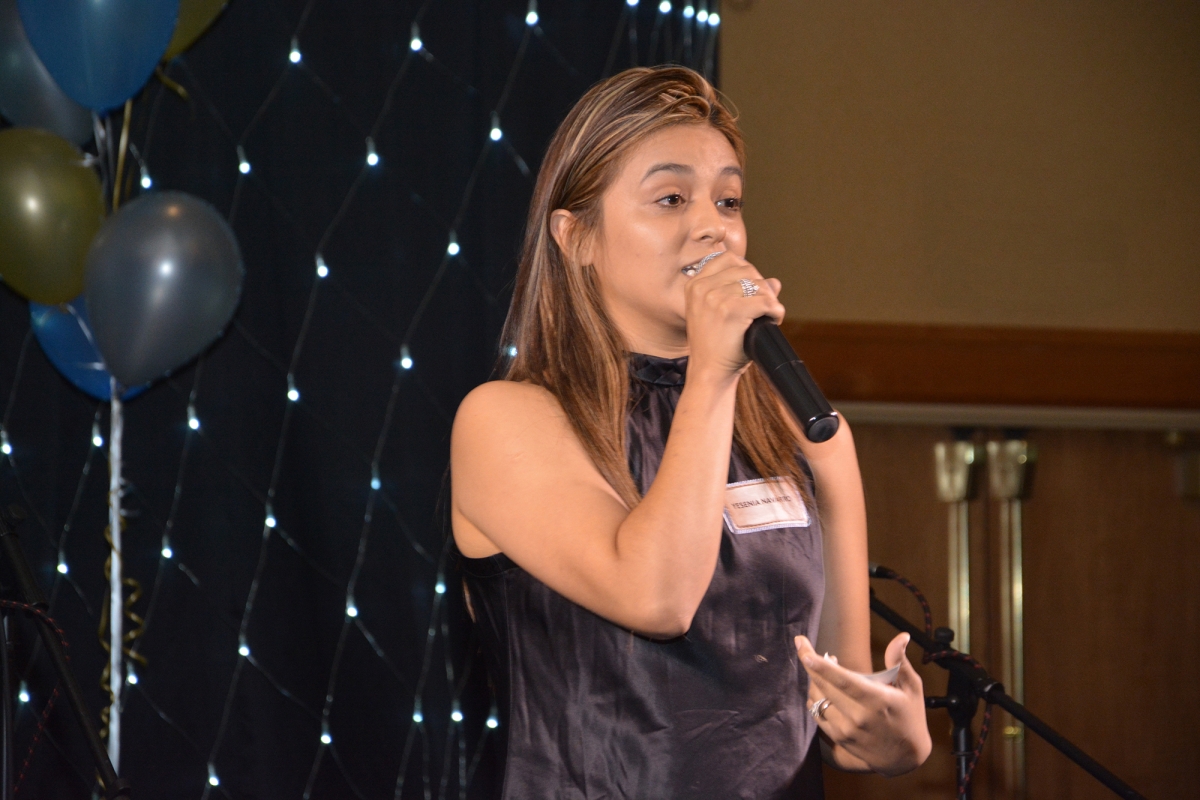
(770, 350)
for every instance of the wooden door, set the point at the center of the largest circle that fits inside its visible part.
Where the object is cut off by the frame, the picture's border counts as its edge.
(1112, 607)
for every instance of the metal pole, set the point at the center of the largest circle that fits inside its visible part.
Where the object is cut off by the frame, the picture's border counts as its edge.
(1009, 467)
(955, 464)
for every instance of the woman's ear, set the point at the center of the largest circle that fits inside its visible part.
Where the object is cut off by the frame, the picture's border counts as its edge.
(566, 230)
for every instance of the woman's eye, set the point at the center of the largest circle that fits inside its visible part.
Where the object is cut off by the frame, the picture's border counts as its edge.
(672, 200)
(731, 203)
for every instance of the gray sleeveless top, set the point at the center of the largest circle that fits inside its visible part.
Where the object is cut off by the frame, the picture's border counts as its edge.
(593, 711)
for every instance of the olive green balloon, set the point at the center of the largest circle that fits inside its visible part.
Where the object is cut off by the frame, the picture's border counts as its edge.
(50, 208)
(194, 18)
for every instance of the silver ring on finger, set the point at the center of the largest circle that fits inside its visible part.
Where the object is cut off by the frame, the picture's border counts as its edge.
(818, 708)
(749, 287)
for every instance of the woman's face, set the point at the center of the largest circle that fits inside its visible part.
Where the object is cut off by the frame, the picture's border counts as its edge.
(676, 198)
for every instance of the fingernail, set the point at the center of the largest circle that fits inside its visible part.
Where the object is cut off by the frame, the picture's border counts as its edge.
(808, 661)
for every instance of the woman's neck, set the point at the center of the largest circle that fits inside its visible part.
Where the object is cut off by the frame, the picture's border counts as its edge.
(651, 337)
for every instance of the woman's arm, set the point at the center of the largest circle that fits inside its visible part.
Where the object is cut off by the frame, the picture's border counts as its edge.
(845, 628)
(868, 726)
(522, 484)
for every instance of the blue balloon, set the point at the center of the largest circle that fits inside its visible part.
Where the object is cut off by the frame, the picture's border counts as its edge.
(65, 335)
(99, 52)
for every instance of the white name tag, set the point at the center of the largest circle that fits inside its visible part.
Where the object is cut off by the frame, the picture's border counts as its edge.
(763, 504)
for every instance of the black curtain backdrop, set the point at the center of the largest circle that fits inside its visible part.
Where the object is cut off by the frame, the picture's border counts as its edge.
(359, 676)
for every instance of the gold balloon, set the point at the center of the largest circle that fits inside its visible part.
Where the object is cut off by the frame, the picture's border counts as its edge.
(50, 209)
(194, 18)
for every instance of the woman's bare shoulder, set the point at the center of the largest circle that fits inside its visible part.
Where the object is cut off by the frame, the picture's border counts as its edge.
(510, 417)
(513, 442)
(505, 403)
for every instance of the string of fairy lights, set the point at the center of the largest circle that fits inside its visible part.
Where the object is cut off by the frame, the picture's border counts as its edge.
(675, 32)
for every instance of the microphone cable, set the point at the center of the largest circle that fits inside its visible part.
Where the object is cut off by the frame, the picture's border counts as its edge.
(884, 573)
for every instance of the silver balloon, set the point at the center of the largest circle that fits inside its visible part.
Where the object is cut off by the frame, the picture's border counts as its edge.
(29, 97)
(163, 279)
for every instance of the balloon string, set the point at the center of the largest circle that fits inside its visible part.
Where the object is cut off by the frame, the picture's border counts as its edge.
(174, 86)
(121, 150)
(128, 639)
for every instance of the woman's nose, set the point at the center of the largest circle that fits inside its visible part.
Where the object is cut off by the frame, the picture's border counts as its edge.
(708, 226)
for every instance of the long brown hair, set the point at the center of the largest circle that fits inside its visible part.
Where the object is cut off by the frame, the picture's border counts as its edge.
(564, 338)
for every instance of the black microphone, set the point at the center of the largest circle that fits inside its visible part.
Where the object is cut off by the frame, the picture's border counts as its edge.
(769, 349)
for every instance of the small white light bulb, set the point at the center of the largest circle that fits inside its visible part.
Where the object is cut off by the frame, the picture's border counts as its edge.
(193, 423)
(243, 164)
(496, 134)
(146, 181)
(493, 723)
(415, 44)
(294, 55)
(375, 484)
(512, 351)
(702, 16)
(406, 361)
(270, 521)
(62, 567)
(714, 19)
(531, 18)
(372, 156)
(243, 651)
(5, 445)
(293, 395)
(631, 3)
(453, 248)
(213, 780)
(351, 610)
(456, 715)
(418, 717)
(326, 738)
(664, 7)
(167, 552)
(440, 588)
(131, 678)
(23, 693)
(689, 12)
(322, 267)
(97, 440)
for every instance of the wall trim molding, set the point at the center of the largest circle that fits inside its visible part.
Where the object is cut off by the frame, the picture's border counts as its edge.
(1000, 366)
(983, 416)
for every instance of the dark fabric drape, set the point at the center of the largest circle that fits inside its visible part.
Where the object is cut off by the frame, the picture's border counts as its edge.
(380, 352)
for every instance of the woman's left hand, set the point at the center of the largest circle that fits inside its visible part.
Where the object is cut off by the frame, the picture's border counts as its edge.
(882, 726)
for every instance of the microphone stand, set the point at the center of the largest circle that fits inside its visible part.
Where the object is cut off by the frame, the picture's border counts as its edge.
(30, 596)
(968, 684)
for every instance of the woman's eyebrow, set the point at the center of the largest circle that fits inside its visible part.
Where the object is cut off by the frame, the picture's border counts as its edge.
(684, 169)
(678, 169)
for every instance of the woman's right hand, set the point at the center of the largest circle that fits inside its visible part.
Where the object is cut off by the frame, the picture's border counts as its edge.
(718, 314)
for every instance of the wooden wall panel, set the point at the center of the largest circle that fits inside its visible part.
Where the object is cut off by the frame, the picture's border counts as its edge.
(1113, 613)
(1112, 606)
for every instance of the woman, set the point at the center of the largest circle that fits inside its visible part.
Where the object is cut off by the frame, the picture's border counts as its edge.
(645, 629)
